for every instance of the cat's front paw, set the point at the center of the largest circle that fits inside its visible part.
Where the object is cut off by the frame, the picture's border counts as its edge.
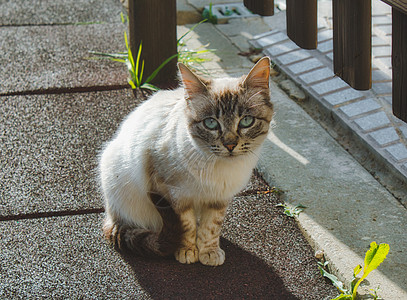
(187, 255)
(212, 257)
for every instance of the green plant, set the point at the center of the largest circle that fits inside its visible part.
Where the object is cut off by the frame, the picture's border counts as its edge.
(136, 66)
(292, 211)
(373, 258)
(208, 15)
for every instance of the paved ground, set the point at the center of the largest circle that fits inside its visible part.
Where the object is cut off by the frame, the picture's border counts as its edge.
(58, 108)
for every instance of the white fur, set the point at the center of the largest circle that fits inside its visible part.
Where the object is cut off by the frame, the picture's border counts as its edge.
(191, 173)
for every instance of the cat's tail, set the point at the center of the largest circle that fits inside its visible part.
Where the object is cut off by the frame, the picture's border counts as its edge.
(146, 242)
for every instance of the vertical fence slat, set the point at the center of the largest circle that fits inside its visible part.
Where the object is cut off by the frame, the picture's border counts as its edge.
(352, 42)
(399, 63)
(302, 22)
(260, 7)
(154, 23)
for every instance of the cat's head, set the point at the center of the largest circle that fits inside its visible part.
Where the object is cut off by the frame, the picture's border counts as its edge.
(229, 117)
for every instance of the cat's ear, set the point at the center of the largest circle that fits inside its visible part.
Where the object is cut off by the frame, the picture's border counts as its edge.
(258, 76)
(192, 83)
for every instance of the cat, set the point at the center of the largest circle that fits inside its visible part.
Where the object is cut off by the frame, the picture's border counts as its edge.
(177, 161)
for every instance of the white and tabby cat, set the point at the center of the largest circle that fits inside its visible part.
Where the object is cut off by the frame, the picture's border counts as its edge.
(179, 158)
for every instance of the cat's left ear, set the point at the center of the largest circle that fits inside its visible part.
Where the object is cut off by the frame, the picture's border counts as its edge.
(192, 83)
(259, 75)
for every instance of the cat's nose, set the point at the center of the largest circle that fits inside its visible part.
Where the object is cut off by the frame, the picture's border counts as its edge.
(230, 146)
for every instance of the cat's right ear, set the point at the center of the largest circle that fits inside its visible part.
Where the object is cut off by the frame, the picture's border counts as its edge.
(193, 84)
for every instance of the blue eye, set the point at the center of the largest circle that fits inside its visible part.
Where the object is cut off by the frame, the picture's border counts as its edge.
(211, 123)
(246, 122)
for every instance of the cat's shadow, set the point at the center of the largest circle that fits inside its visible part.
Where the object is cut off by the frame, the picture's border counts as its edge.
(242, 276)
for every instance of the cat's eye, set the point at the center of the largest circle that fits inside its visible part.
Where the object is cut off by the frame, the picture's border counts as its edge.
(211, 123)
(246, 122)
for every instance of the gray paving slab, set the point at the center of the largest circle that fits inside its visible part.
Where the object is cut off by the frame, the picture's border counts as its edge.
(346, 207)
(55, 57)
(37, 12)
(49, 146)
(63, 257)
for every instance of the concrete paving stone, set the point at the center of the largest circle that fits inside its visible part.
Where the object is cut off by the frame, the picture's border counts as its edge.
(38, 12)
(381, 20)
(383, 29)
(48, 57)
(342, 96)
(49, 146)
(398, 151)
(282, 48)
(380, 41)
(305, 65)
(63, 257)
(403, 129)
(382, 88)
(328, 86)
(330, 56)
(385, 136)
(272, 39)
(325, 35)
(317, 75)
(373, 121)
(360, 107)
(381, 51)
(346, 207)
(383, 62)
(388, 99)
(294, 56)
(326, 46)
(380, 8)
(379, 75)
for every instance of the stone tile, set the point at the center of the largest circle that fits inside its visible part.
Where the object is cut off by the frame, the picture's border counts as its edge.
(383, 29)
(329, 86)
(403, 129)
(272, 39)
(63, 257)
(373, 121)
(294, 56)
(330, 55)
(343, 96)
(398, 151)
(383, 62)
(49, 149)
(49, 57)
(379, 41)
(381, 51)
(325, 35)
(282, 48)
(384, 136)
(325, 46)
(23, 12)
(380, 8)
(382, 88)
(305, 65)
(379, 75)
(360, 107)
(381, 20)
(317, 75)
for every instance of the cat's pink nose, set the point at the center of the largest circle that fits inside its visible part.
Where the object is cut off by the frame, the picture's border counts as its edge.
(230, 146)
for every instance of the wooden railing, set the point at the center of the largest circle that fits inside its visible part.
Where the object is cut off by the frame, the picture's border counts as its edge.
(352, 40)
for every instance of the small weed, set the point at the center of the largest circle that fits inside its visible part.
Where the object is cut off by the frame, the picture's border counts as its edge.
(208, 15)
(292, 211)
(373, 258)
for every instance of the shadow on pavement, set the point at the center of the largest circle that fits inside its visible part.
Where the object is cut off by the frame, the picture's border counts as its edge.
(242, 276)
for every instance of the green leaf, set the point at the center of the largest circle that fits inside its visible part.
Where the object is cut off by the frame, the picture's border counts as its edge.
(154, 74)
(133, 86)
(335, 281)
(357, 270)
(373, 258)
(343, 297)
(149, 86)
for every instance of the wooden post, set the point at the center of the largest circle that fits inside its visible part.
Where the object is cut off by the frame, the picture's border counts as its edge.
(302, 23)
(399, 63)
(352, 42)
(260, 7)
(154, 23)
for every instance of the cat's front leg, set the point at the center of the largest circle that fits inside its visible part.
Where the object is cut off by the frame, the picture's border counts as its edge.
(210, 225)
(188, 252)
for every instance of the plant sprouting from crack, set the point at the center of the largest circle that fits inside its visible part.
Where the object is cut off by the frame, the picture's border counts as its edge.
(292, 211)
(135, 67)
(373, 258)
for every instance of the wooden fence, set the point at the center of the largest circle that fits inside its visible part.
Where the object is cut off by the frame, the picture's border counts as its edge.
(352, 40)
